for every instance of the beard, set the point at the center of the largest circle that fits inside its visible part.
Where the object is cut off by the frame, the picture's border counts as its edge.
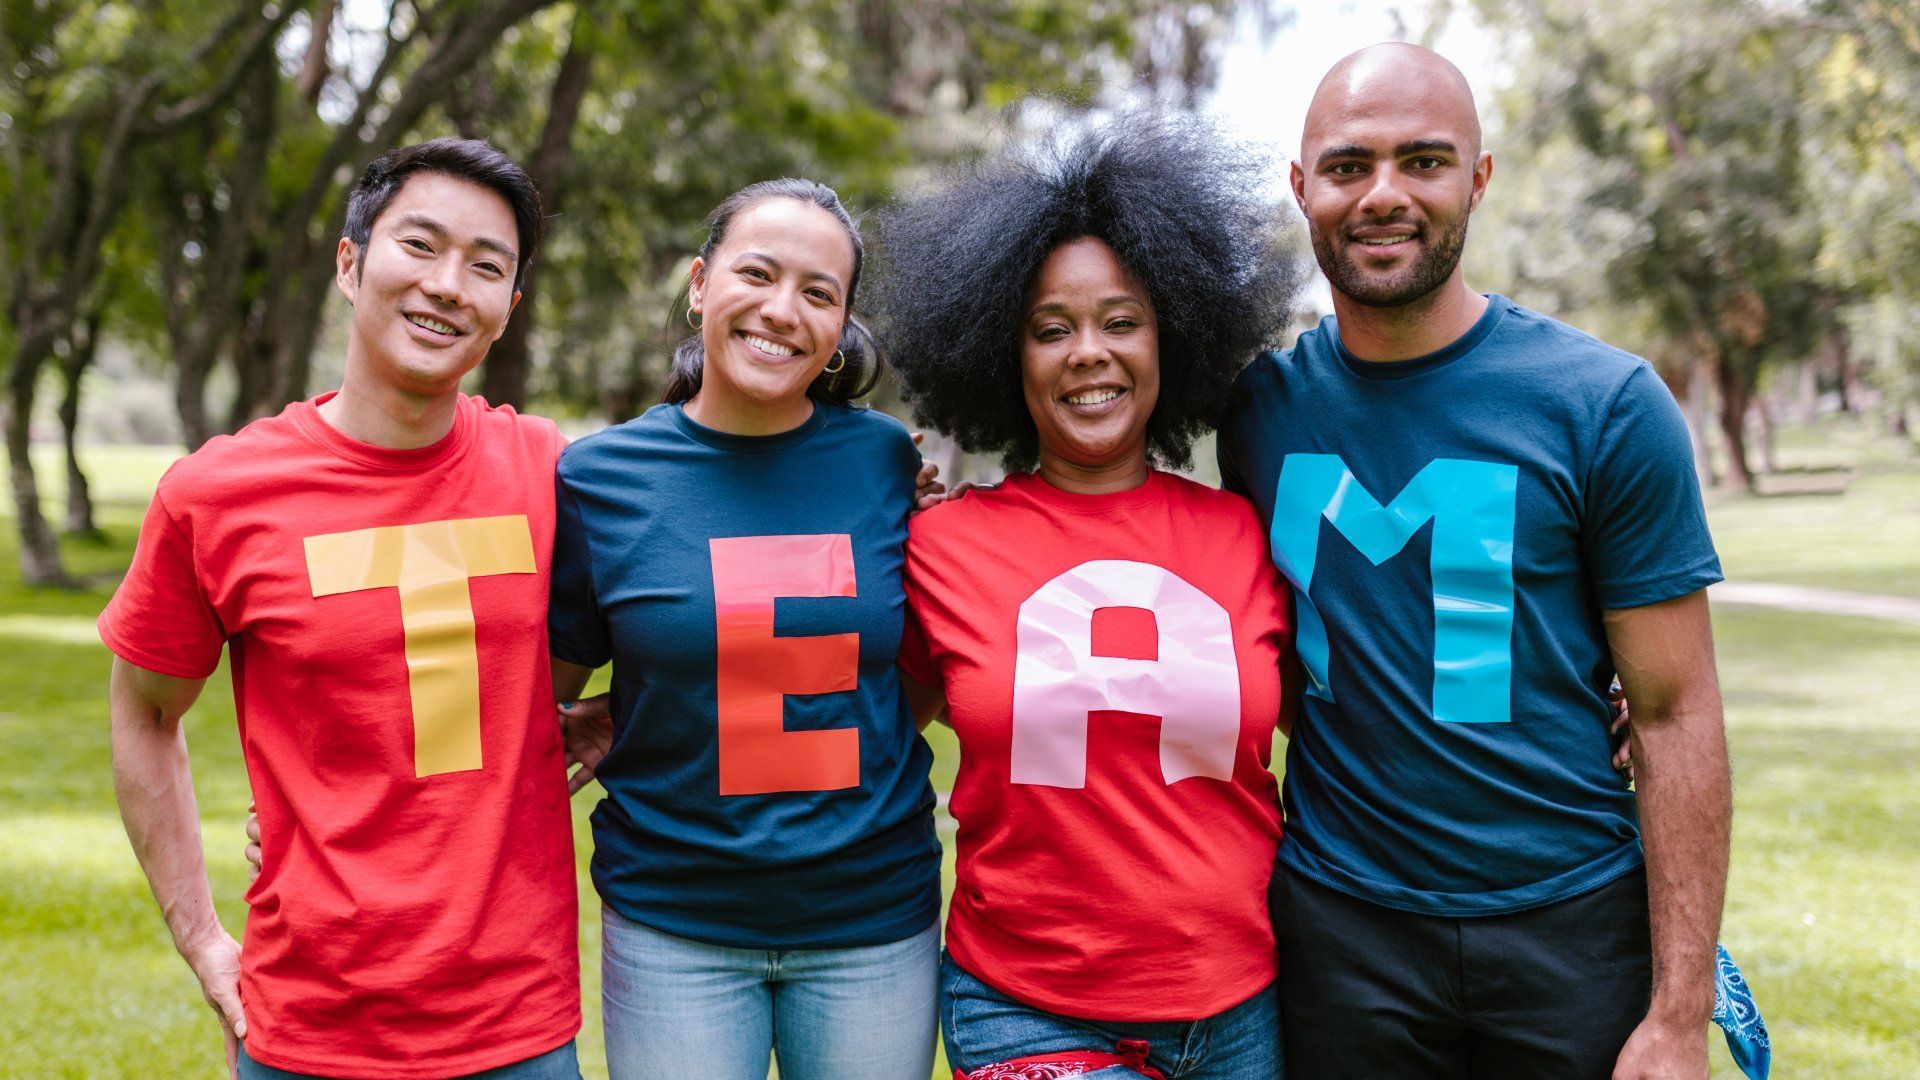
(1429, 271)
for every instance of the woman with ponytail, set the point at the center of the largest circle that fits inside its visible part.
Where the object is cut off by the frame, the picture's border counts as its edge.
(765, 853)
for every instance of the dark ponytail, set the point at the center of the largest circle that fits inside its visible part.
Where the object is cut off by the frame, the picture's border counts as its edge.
(863, 365)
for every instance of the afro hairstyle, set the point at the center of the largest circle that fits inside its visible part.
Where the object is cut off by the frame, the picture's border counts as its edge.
(1183, 210)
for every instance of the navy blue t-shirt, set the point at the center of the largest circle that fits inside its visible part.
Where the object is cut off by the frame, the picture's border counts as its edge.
(1454, 526)
(766, 787)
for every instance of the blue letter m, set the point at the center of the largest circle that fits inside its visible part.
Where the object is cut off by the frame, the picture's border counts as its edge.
(1471, 505)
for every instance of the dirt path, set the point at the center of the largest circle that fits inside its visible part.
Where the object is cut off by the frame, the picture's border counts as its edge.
(1820, 601)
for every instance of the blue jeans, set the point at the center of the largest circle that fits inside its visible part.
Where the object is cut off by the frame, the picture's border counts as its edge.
(557, 1064)
(676, 1008)
(982, 1026)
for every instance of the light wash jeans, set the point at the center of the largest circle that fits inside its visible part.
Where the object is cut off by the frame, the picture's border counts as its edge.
(983, 1026)
(677, 1009)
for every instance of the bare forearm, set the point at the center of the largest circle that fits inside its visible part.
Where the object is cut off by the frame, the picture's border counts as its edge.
(1686, 808)
(154, 786)
(1664, 653)
(569, 679)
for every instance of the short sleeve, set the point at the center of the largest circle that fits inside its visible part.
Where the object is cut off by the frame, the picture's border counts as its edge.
(576, 630)
(160, 618)
(916, 651)
(916, 656)
(1645, 529)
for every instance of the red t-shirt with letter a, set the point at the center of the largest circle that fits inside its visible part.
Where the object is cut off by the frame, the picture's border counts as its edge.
(1112, 667)
(384, 613)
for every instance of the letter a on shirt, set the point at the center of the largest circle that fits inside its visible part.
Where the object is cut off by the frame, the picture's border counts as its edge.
(1193, 685)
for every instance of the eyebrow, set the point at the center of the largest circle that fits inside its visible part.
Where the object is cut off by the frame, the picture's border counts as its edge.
(811, 275)
(485, 243)
(1111, 301)
(1405, 149)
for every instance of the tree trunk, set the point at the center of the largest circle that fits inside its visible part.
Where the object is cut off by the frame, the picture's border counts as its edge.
(74, 368)
(1764, 415)
(1733, 422)
(504, 377)
(1697, 386)
(39, 547)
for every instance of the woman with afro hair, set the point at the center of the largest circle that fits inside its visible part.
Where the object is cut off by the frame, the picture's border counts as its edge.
(1109, 638)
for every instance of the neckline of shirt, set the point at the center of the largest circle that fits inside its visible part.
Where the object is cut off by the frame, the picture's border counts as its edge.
(1034, 486)
(1392, 370)
(306, 416)
(746, 444)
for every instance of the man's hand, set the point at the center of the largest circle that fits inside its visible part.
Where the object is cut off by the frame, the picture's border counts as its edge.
(927, 491)
(1661, 1049)
(215, 960)
(586, 726)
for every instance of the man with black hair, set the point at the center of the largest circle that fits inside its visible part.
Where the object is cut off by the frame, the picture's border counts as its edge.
(1485, 514)
(376, 562)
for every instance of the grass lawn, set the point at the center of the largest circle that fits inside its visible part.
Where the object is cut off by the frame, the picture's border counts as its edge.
(1866, 538)
(1821, 712)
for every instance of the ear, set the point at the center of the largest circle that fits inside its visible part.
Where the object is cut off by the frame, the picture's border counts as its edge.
(511, 308)
(346, 268)
(1297, 177)
(1482, 172)
(696, 283)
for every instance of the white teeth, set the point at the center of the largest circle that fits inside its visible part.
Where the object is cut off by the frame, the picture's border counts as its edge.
(434, 325)
(766, 346)
(1380, 241)
(1093, 397)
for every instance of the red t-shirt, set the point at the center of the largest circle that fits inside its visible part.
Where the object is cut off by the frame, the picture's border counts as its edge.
(1112, 667)
(385, 614)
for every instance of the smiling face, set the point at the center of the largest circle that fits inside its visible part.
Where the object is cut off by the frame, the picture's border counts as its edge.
(1089, 359)
(432, 287)
(772, 301)
(1390, 170)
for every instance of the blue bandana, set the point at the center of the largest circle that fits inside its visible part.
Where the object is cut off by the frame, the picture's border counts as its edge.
(1739, 1017)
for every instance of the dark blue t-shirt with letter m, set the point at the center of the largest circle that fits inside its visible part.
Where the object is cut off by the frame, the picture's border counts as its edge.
(1454, 525)
(766, 787)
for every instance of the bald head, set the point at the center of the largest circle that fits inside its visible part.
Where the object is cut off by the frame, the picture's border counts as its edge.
(1393, 77)
(1390, 170)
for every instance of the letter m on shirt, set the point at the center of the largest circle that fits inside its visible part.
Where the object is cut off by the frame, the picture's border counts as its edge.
(1471, 505)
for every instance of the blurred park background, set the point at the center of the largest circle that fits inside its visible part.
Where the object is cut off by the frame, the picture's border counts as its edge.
(1730, 188)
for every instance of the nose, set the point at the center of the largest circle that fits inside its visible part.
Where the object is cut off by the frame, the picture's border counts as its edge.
(1386, 195)
(446, 280)
(1087, 349)
(779, 307)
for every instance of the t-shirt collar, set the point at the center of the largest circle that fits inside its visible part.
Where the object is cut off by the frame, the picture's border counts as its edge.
(1497, 306)
(746, 444)
(306, 416)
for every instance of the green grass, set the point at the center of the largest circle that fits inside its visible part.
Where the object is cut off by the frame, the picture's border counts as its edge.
(1865, 538)
(1820, 710)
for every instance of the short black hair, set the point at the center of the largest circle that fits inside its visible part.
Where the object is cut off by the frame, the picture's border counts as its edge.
(862, 364)
(1183, 208)
(474, 160)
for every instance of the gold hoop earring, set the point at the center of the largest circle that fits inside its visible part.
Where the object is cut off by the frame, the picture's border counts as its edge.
(694, 319)
(839, 364)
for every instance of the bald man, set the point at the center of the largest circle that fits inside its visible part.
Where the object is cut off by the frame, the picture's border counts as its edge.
(1485, 514)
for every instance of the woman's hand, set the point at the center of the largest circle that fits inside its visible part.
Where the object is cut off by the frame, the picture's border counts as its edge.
(586, 726)
(253, 842)
(1621, 730)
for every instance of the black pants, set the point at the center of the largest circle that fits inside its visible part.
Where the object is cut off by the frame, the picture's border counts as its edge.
(1371, 993)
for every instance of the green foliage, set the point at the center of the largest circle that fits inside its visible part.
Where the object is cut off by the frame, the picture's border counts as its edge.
(1725, 186)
